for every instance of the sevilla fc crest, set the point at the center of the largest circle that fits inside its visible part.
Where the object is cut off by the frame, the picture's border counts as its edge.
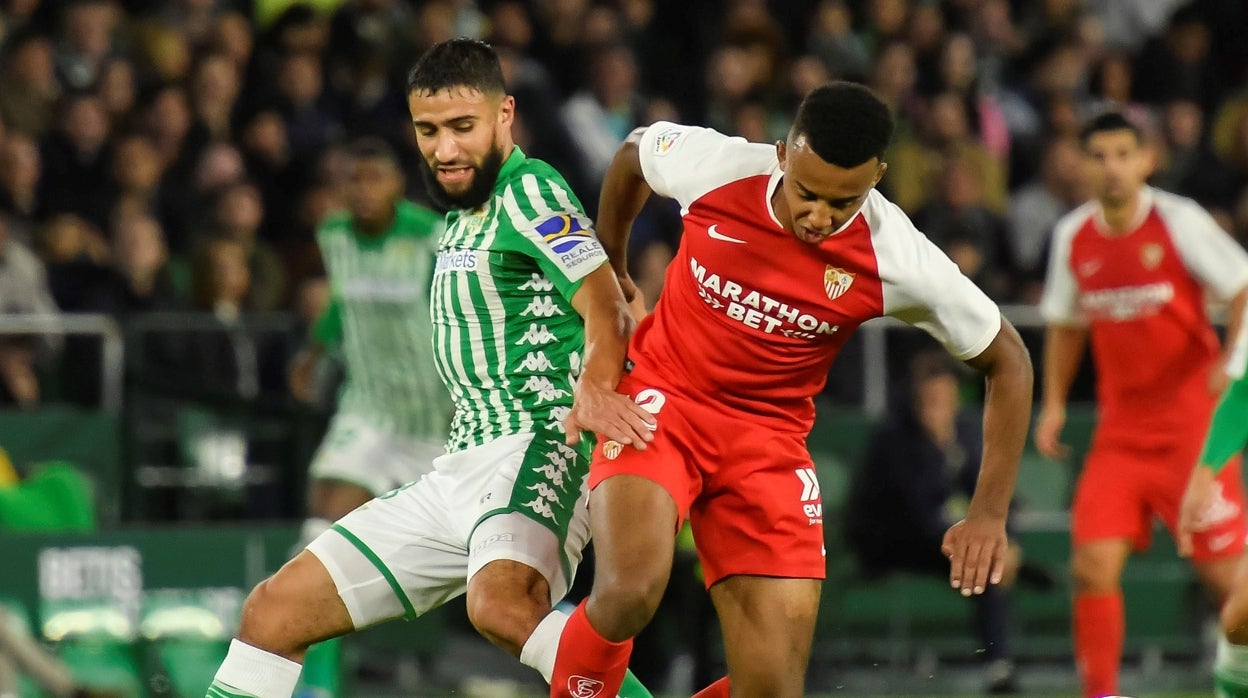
(836, 281)
(581, 687)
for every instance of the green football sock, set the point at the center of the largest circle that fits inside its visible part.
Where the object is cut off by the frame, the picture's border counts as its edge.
(632, 688)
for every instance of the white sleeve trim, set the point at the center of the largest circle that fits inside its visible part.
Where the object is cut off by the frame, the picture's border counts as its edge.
(921, 286)
(1060, 303)
(1208, 252)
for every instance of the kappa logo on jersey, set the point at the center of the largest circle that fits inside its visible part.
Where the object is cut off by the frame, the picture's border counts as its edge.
(836, 281)
(663, 144)
(1151, 255)
(811, 506)
(564, 232)
(582, 687)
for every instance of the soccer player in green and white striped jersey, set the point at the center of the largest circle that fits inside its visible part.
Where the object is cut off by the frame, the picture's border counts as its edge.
(393, 411)
(530, 333)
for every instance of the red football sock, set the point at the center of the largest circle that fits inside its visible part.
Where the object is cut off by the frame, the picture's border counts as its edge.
(719, 689)
(1100, 624)
(588, 665)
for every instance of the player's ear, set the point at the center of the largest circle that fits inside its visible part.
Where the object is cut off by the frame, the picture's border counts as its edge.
(879, 172)
(781, 152)
(507, 111)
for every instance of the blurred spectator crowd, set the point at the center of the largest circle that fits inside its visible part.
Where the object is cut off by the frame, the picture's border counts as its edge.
(178, 154)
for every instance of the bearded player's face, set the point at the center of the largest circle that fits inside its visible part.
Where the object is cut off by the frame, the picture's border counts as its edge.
(1117, 165)
(458, 133)
(820, 197)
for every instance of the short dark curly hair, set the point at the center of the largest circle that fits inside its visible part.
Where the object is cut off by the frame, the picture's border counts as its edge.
(458, 62)
(845, 124)
(1106, 122)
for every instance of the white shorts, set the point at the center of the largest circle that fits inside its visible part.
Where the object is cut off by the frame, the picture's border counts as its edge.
(357, 452)
(520, 497)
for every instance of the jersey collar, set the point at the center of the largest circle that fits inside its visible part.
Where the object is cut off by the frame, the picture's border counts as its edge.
(511, 164)
(776, 175)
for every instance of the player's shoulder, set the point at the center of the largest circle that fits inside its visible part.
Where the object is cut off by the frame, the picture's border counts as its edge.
(536, 187)
(1074, 221)
(1175, 207)
(335, 223)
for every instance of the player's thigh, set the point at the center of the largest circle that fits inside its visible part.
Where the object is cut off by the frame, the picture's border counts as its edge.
(1110, 500)
(396, 556)
(297, 606)
(768, 624)
(506, 601)
(766, 515)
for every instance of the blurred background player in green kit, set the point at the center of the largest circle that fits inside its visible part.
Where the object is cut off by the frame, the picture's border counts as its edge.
(393, 411)
(1203, 502)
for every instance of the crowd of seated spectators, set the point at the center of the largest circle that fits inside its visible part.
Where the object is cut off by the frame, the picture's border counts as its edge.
(179, 154)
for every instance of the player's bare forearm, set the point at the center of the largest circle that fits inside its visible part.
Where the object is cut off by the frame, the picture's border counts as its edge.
(608, 325)
(624, 193)
(1006, 366)
(1063, 351)
(596, 406)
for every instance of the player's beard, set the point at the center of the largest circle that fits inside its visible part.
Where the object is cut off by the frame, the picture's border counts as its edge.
(484, 176)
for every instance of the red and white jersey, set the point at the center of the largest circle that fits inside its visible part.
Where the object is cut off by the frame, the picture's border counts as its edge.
(752, 318)
(1140, 295)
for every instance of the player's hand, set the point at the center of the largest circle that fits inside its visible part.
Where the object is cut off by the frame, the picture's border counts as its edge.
(636, 299)
(1218, 379)
(978, 550)
(1048, 434)
(612, 415)
(1196, 501)
(303, 376)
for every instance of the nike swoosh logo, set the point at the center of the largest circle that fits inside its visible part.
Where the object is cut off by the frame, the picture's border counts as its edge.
(716, 235)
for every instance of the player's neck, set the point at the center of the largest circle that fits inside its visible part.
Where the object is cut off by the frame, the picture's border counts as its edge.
(1120, 216)
(377, 228)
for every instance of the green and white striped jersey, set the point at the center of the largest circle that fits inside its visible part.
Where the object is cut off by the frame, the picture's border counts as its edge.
(378, 318)
(507, 339)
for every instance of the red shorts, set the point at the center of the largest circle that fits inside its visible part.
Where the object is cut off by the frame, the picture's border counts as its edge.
(1124, 485)
(749, 491)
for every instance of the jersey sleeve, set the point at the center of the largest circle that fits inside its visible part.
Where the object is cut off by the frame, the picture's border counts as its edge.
(924, 288)
(553, 230)
(327, 330)
(1060, 303)
(684, 162)
(1208, 252)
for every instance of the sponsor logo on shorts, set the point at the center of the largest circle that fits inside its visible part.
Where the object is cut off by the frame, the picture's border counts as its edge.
(582, 687)
(612, 449)
(812, 508)
(1219, 511)
(1219, 543)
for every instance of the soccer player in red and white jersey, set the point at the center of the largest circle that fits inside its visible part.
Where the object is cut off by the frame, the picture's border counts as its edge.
(786, 250)
(1129, 271)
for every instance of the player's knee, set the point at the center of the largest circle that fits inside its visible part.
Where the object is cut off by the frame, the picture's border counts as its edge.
(1092, 575)
(624, 604)
(506, 621)
(1234, 619)
(265, 617)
